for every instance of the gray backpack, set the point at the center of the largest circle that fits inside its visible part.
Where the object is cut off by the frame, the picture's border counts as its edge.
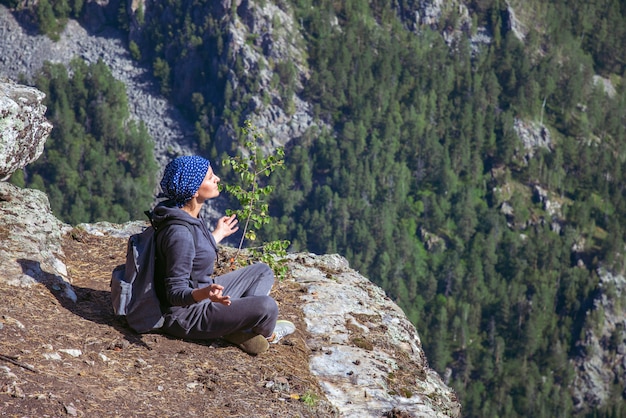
(132, 284)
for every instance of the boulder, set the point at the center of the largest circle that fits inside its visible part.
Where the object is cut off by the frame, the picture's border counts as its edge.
(366, 354)
(30, 235)
(23, 126)
(30, 240)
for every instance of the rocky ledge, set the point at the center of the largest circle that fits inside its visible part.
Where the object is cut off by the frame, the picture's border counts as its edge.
(363, 350)
(365, 353)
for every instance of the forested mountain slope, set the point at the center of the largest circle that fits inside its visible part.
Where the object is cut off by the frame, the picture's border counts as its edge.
(466, 156)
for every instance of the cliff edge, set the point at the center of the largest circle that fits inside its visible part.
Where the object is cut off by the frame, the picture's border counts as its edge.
(355, 353)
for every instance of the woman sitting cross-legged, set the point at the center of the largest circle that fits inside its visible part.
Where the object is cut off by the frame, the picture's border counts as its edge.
(235, 306)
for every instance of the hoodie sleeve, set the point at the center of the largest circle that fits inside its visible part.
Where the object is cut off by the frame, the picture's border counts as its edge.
(178, 247)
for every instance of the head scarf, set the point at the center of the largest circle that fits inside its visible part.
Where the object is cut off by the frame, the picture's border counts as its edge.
(182, 178)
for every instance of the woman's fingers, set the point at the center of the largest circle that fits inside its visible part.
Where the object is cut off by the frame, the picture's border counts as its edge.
(215, 294)
(230, 221)
(224, 300)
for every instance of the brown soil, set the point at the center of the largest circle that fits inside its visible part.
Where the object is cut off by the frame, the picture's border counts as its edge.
(121, 374)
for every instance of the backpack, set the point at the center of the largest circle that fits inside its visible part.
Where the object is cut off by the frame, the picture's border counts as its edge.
(132, 284)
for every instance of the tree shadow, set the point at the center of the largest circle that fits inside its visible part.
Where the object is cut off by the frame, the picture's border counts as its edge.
(26, 20)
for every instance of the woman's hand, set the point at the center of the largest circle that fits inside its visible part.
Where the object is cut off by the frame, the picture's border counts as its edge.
(215, 294)
(212, 292)
(226, 226)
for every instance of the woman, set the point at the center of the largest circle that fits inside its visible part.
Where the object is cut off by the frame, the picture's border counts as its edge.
(235, 306)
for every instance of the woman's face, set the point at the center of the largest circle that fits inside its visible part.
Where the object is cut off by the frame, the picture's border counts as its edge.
(209, 188)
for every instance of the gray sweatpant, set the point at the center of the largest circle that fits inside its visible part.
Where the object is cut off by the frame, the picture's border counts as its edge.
(251, 307)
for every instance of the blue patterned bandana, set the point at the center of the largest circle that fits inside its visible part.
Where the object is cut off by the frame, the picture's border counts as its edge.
(182, 178)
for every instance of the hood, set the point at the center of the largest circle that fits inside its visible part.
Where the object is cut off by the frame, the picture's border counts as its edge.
(167, 210)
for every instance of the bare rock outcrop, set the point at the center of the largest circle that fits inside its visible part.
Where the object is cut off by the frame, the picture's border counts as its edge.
(515, 24)
(23, 126)
(266, 37)
(30, 235)
(604, 343)
(533, 135)
(360, 338)
(30, 239)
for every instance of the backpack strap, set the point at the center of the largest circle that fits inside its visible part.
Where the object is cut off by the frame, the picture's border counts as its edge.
(167, 223)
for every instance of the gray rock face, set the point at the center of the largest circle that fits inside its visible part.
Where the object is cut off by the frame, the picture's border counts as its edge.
(23, 127)
(30, 240)
(515, 24)
(30, 235)
(360, 338)
(533, 136)
(279, 41)
(604, 343)
(429, 12)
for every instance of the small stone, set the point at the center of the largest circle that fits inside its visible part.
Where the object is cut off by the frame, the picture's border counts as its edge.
(192, 385)
(52, 356)
(8, 320)
(6, 372)
(71, 410)
(141, 363)
(71, 351)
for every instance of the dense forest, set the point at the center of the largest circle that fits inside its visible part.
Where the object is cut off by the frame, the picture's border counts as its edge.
(420, 178)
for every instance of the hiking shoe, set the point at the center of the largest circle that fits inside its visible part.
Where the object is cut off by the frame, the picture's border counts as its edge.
(250, 343)
(282, 329)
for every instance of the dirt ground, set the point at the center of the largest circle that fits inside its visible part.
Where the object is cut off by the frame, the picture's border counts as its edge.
(59, 358)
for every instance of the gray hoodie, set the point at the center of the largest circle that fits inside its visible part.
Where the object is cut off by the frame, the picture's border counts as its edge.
(179, 259)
